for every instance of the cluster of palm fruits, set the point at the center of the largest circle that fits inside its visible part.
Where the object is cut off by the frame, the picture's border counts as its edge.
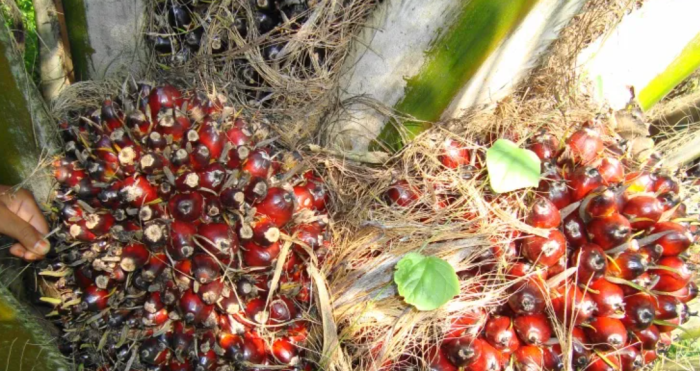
(610, 266)
(184, 238)
(183, 27)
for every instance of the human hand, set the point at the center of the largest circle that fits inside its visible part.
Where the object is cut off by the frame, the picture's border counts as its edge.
(21, 219)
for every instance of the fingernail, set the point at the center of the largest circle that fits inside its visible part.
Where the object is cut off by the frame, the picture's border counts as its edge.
(42, 247)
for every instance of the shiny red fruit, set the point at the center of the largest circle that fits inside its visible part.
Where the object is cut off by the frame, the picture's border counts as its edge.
(602, 203)
(559, 193)
(611, 170)
(591, 262)
(162, 98)
(217, 238)
(193, 309)
(182, 244)
(543, 214)
(454, 154)
(255, 255)
(96, 298)
(278, 205)
(544, 251)
(677, 239)
(604, 362)
(643, 211)
(532, 328)
(628, 265)
(186, 207)
(664, 183)
(134, 256)
(253, 348)
(402, 194)
(285, 352)
(687, 293)
(605, 332)
(439, 362)
(639, 311)
(610, 231)
(463, 351)
(528, 298)
(608, 297)
(583, 181)
(499, 332)
(319, 192)
(205, 268)
(673, 273)
(585, 145)
(153, 352)
(575, 230)
(265, 231)
(528, 358)
(648, 337)
(137, 191)
(571, 305)
(211, 137)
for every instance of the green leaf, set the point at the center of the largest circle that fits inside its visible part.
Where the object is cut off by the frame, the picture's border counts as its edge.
(425, 282)
(511, 168)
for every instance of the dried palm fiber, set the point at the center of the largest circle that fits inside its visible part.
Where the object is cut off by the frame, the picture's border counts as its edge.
(294, 81)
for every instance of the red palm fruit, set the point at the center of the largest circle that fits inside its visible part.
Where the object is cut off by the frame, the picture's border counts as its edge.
(180, 159)
(255, 255)
(205, 268)
(193, 309)
(649, 356)
(611, 170)
(278, 205)
(156, 319)
(610, 231)
(528, 298)
(559, 193)
(255, 190)
(677, 239)
(664, 183)
(523, 269)
(285, 352)
(583, 181)
(187, 181)
(153, 302)
(667, 307)
(500, 334)
(544, 251)
(129, 159)
(643, 211)
(258, 164)
(318, 192)
(489, 360)
(644, 280)
(162, 98)
(206, 361)
(212, 177)
(580, 354)
(608, 297)
(303, 200)
(585, 145)
(155, 234)
(575, 231)
(134, 256)
(238, 136)
(253, 348)
(155, 267)
(543, 214)
(232, 345)
(647, 337)
(639, 182)
(454, 154)
(255, 310)
(186, 207)
(211, 292)
(235, 156)
(668, 200)
(604, 362)
(265, 232)
(173, 126)
(181, 239)
(200, 158)
(99, 224)
(232, 199)
(571, 305)
(153, 352)
(602, 203)
(628, 265)
(673, 273)
(138, 124)
(552, 359)
(529, 358)
(137, 191)
(111, 115)
(674, 323)
(605, 332)
(687, 293)
(211, 137)
(542, 150)
(532, 328)
(439, 362)
(176, 365)
(96, 298)
(401, 193)
(468, 323)
(591, 262)
(217, 238)
(282, 310)
(151, 212)
(81, 233)
(639, 311)
(463, 351)
(630, 359)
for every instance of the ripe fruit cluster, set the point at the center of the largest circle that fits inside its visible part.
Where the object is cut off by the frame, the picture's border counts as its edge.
(184, 238)
(610, 267)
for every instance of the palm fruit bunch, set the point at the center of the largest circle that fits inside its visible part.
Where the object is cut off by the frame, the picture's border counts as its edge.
(184, 238)
(183, 27)
(611, 266)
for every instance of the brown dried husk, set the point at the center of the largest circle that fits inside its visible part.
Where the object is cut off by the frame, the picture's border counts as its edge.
(297, 84)
(377, 329)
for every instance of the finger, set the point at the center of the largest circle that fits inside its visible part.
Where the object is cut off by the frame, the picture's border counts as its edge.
(20, 252)
(25, 206)
(13, 226)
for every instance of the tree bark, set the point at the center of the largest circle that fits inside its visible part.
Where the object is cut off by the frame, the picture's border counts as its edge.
(52, 55)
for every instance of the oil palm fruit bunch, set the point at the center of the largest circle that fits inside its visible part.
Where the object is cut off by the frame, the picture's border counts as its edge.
(184, 238)
(612, 264)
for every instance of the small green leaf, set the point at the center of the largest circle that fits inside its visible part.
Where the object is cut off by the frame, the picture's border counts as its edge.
(511, 168)
(425, 282)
